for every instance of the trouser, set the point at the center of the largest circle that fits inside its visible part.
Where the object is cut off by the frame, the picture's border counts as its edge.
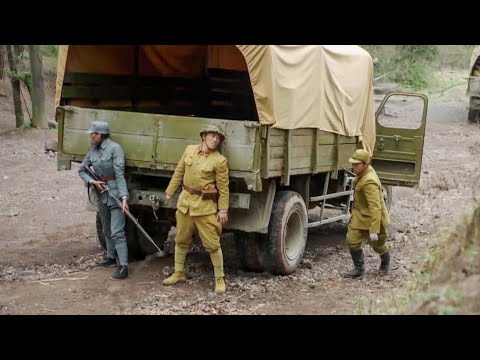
(209, 229)
(355, 238)
(113, 223)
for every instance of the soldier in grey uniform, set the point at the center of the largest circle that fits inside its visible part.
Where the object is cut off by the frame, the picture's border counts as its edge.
(108, 161)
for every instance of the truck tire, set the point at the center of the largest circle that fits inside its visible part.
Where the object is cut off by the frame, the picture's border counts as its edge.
(100, 236)
(473, 114)
(387, 196)
(158, 233)
(130, 233)
(251, 250)
(287, 232)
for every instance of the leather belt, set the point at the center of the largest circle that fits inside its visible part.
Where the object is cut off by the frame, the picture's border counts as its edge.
(107, 178)
(192, 191)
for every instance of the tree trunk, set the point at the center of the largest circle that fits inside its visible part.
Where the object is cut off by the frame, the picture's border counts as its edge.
(3, 61)
(18, 51)
(39, 119)
(15, 87)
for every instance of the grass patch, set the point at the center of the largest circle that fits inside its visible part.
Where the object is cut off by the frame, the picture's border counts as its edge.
(448, 280)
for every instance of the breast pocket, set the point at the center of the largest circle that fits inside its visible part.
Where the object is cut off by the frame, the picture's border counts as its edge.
(207, 172)
(106, 162)
(188, 160)
(95, 158)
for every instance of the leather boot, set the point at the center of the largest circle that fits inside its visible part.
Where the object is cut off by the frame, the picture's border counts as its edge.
(121, 273)
(358, 261)
(107, 262)
(385, 264)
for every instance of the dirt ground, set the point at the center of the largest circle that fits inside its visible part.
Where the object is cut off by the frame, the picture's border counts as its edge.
(48, 243)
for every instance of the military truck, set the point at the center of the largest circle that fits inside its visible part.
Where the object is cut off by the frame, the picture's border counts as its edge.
(473, 87)
(292, 116)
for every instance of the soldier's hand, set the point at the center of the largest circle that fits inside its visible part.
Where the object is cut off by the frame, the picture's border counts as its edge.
(373, 237)
(222, 217)
(98, 184)
(124, 205)
(168, 198)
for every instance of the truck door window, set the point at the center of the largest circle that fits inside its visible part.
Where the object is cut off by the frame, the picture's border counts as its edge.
(403, 112)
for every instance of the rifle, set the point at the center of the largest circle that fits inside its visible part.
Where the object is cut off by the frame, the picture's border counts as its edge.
(119, 204)
(349, 172)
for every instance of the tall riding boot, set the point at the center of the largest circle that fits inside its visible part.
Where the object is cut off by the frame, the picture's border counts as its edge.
(358, 262)
(179, 274)
(385, 264)
(217, 261)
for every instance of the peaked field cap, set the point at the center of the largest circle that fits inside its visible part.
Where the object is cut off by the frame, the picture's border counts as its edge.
(359, 156)
(100, 127)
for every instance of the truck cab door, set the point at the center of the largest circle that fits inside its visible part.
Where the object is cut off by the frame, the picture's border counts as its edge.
(400, 131)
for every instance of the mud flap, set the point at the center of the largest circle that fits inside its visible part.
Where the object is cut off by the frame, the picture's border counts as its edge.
(257, 217)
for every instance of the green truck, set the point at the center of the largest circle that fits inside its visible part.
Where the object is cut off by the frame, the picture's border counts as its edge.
(292, 116)
(473, 87)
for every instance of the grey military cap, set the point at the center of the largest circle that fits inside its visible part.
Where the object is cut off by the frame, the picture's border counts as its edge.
(100, 127)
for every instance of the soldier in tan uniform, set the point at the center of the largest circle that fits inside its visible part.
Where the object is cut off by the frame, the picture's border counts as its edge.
(203, 203)
(370, 217)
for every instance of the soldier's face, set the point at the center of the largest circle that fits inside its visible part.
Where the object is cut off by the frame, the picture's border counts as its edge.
(212, 140)
(95, 138)
(359, 168)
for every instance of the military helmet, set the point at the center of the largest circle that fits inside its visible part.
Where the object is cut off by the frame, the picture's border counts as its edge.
(213, 129)
(100, 127)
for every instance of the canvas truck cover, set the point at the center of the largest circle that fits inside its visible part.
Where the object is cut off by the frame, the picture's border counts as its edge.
(328, 87)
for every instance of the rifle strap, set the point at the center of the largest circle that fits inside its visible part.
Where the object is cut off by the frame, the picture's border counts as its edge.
(88, 194)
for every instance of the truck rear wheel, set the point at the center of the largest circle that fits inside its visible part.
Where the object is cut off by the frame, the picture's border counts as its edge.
(100, 236)
(287, 232)
(251, 250)
(130, 233)
(157, 229)
(473, 113)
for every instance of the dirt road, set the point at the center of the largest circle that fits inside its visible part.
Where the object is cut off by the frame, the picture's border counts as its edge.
(48, 243)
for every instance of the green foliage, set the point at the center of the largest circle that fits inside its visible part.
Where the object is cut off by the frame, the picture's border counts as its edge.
(412, 66)
(23, 76)
(49, 50)
(416, 53)
(454, 56)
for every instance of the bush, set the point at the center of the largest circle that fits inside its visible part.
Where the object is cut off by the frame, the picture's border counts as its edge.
(412, 65)
(455, 56)
(49, 50)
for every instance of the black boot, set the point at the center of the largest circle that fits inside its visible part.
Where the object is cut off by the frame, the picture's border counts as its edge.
(121, 273)
(108, 262)
(358, 262)
(385, 264)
